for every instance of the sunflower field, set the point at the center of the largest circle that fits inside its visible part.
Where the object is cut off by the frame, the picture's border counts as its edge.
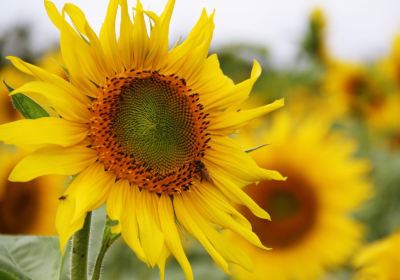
(127, 155)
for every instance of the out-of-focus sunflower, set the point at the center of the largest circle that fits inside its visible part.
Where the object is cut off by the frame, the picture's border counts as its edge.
(314, 43)
(311, 228)
(379, 260)
(26, 208)
(353, 91)
(390, 65)
(147, 130)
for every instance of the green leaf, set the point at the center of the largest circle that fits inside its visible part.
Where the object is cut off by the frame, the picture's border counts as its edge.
(28, 108)
(29, 258)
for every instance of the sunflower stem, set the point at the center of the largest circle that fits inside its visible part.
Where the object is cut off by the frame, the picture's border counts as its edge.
(108, 240)
(80, 246)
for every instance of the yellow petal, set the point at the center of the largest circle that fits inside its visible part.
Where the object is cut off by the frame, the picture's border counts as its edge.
(126, 41)
(230, 121)
(77, 54)
(31, 134)
(45, 76)
(81, 24)
(129, 222)
(116, 201)
(188, 59)
(64, 227)
(171, 234)
(159, 39)
(150, 234)
(108, 37)
(237, 195)
(91, 188)
(49, 95)
(190, 222)
(232, 254)
(162, 260)
(212, 82)
(240, 165)
(53, 160)
(211, 211)
(140, 37)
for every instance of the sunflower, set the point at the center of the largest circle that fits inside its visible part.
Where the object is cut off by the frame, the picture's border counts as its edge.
(379, 260)
(146, 128)
(314, 43)
(354, 91)
(311, 230)
(390, 65)
(26, 208)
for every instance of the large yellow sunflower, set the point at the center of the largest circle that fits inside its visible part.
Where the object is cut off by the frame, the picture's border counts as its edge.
(27, 208)
(146, 128)
(311, 229)
(379, 260)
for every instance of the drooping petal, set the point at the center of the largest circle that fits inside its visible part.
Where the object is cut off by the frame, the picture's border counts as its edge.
(202, 202)
(90, 188)
(64, 227)
(162, 261)
(240, 164)
(171, 234)
(150, 234)
(129, 222)
(238, 196)
(53, 160)
(116, 202)
(32, 134)
(55, 97)
(190, 223)
(45, 76)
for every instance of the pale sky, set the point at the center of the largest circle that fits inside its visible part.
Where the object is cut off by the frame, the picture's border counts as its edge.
(357, 29)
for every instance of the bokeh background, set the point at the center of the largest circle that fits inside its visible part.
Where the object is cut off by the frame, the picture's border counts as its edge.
(333, 60)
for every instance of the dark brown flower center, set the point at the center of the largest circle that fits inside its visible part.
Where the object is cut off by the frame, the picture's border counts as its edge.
(150, 129)
(292, 205)
(19, 207)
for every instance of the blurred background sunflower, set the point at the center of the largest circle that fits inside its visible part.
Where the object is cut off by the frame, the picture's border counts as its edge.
(337, 65)
(311, 229)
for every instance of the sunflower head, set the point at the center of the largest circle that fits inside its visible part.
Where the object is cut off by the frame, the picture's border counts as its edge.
(146, 130)
(310, 229)
(314, 42)
(390, 65)
(354, 90)
(157, 130)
